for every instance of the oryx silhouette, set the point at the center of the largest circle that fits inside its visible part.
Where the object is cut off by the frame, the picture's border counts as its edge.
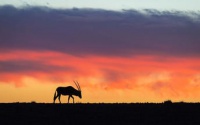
(69, 90)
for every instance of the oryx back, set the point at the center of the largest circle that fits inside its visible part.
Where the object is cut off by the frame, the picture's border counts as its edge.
(69, 90)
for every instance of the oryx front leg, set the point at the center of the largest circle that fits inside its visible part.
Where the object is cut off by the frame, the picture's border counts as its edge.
(71, 97)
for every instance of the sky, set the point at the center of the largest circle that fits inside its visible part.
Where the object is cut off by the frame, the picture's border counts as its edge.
(110, 4)
(119, 51)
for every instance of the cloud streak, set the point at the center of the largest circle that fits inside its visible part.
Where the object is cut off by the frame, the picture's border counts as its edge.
(100, 32)
(23, 66)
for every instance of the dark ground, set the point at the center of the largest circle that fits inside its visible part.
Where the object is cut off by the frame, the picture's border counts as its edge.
(100, 114)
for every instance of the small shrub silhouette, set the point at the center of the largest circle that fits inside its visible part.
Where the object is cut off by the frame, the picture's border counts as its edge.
(33, 102)
(168, 102)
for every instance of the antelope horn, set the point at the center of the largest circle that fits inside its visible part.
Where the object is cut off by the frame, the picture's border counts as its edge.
(76, 85)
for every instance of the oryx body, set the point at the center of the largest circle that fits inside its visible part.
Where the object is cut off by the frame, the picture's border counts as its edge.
(69, 90)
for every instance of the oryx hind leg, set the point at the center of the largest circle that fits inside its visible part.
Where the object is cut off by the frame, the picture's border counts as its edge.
(59, 96)
(69, 98)
(55, 97)
(72, 98)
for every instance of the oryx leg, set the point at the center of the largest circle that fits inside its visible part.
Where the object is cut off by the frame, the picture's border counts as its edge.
(55, 97)
(59, 98)
(72, 98)
(69, 98)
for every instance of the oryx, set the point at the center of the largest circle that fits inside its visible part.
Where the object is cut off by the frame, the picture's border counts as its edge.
(69, 90)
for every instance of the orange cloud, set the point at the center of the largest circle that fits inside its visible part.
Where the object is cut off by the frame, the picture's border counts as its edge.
(152, 78)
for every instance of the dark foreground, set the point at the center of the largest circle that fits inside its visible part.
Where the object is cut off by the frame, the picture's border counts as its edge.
(99, 114)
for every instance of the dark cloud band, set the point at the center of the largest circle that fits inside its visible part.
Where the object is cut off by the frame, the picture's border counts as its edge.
(100, 32)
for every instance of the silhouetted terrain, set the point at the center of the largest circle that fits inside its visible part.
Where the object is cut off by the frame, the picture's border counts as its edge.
(100, 114)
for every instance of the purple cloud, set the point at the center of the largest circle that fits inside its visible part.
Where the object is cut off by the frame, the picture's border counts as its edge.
(25, 66)
(100, 32)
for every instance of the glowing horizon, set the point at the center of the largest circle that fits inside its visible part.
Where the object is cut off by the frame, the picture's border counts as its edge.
(102, 79)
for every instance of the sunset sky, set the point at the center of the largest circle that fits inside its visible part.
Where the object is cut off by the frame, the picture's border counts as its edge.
(118, 50)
